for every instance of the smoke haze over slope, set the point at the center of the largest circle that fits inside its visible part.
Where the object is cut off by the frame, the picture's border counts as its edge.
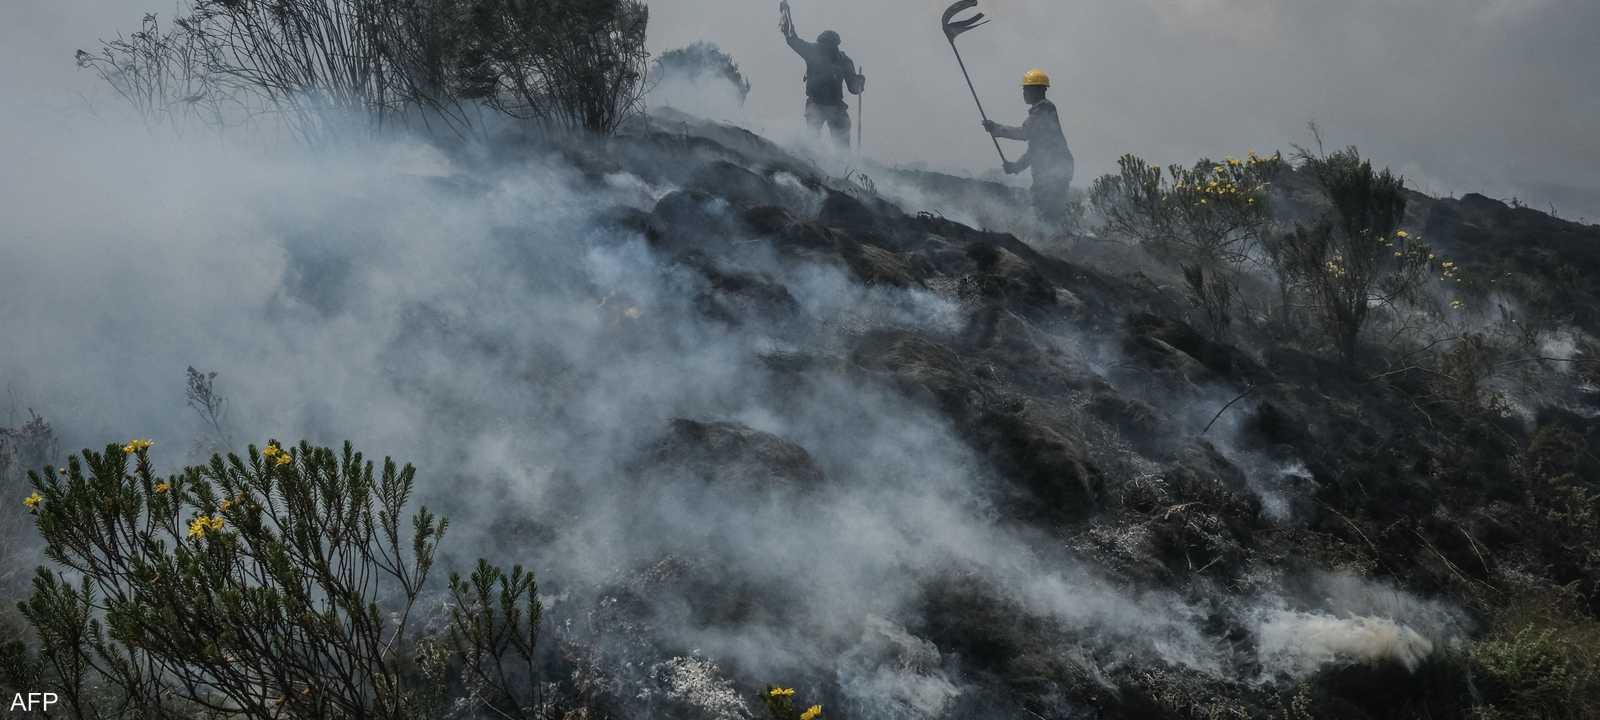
(557, 374)
(532, 360)
(1487, 95)
(1493, 96)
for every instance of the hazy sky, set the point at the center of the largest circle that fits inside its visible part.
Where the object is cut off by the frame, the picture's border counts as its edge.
(1461, 95)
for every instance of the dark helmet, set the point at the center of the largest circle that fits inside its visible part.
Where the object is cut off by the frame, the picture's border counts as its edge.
(829, 38)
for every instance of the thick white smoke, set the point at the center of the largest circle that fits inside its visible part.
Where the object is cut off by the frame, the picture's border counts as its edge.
(484, 323)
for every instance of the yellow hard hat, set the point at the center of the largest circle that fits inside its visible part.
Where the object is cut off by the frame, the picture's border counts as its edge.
(1036, 78)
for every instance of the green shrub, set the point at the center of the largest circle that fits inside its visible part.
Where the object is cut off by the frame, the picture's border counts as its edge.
(281, 584)
(1563, 498)
(1540, 673)
(494, 629)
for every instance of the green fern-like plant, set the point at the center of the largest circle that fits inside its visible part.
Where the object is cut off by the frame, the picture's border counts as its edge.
(277, 584)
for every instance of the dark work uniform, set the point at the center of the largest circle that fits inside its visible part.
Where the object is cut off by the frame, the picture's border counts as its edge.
(1049, 157)
(827, 72)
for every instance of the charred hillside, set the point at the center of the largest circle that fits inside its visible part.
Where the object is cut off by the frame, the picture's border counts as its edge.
(756, 424)
(1341, 540)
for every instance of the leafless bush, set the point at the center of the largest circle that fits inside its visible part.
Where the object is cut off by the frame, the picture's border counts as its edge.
(212, 406)
(1355, 258)
(28, 444)
(1213, 295)
(164, 73)
(563, 64)
(1464, 376)
(702, 62)
(327, 68)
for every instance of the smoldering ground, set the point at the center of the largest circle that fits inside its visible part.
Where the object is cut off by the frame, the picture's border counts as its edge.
(541, 364)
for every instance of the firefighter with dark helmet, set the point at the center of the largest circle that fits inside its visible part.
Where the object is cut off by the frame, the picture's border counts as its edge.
(829, 72)
(1047, 155)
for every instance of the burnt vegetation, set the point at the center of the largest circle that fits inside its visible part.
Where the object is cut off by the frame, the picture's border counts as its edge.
(1330, 443)
(330, 69)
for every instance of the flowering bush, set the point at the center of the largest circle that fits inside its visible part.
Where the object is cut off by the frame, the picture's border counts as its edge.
(1212, 213)
(781, 705)
(1211, 216)
(280, 584)
(1356, 257)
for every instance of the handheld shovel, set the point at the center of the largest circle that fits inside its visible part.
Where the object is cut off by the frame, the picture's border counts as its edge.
(954, 28)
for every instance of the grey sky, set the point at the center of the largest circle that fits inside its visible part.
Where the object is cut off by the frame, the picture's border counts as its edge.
(1461, 95)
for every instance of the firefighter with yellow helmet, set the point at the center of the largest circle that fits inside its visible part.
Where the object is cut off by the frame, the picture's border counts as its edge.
(1048, 155)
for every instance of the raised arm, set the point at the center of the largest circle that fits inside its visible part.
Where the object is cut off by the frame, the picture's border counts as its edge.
(803, 48)
(786, 26)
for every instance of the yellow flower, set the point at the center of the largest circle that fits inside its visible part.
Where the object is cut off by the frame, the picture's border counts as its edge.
(812, 713)
(276, 454)
(162, 487)
(199, 526)
(135, 446)
(32, 501)
(1402, 234)
(781, 692)
(225, 505)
